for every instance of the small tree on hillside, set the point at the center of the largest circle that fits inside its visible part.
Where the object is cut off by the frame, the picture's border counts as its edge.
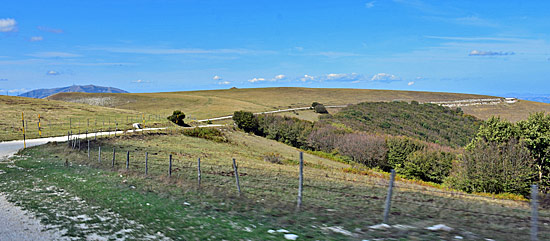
(246, 121)
(321, 109)
(177, 117)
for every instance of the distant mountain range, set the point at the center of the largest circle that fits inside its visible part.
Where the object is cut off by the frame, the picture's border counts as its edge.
(43, 93)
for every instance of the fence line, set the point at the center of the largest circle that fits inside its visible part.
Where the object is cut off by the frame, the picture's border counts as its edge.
(185, 166)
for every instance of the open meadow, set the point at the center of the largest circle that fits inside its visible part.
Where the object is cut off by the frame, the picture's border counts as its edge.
(214, 103)
(338, 204)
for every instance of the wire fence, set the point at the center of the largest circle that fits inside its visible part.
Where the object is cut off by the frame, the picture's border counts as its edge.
(409, 203)
(41, 126)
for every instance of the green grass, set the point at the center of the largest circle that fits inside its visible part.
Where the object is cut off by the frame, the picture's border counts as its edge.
(332, 197)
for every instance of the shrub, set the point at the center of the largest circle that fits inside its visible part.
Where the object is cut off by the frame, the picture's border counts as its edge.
(494, 168)
(177, 118)
(206, 133)
(428, 165)
(363, 148)
(399, 149)
(246, 121)
(273, 158)
(320, 108)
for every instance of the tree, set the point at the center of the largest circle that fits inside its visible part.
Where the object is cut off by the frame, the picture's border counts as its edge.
(246, 121)
(495, 168)
(535, 132)
(177, 117)
(320, 108)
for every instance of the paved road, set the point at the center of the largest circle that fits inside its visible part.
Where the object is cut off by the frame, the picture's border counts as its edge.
(270, 112)
(8, 148)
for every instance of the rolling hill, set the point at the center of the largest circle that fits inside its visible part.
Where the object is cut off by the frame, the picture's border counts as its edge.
(214, 103)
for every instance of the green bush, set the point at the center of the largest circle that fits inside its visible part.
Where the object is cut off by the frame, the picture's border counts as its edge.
(399, 149)
(428, 165)
(494, 168)
(206, 133)
(177, 118)
(246, 121)
(320, 108)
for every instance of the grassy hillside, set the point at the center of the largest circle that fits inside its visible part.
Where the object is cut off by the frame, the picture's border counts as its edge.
(211, 103)
(58, 116)
(208, 103)
(426, 122)
(335, 199)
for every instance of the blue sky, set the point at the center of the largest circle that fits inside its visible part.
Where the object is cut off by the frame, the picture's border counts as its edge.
(486, 47)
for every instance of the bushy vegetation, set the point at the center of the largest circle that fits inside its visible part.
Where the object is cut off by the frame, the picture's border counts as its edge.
(177, 118)
(412, 158)
(427, 122)
(245, 121)
(291, 131)
(206, 133)
(321, 109)
(507, 157)
(504, 167)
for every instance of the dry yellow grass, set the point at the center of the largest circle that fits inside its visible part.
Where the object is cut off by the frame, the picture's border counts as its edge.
(56, 115)
(214, 103)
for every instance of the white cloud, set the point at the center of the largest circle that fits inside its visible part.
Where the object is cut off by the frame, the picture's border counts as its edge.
(489, 53)
(36, 38)
(52, 72)
(410, 83)
(224, 82)
(280, 77)
(370, 4)
(54, 55)
(256, 80)
(216, 77)
(140, 81)
(18, 90)
(307, 78)
(383, 77)
(8, 25)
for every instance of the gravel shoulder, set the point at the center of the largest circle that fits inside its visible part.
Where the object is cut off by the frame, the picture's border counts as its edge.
(18, 224)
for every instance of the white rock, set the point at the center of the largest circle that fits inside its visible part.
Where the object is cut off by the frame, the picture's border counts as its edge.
(440, 227)
(338, 229)
(403, 227)
(186, 203)
(458, 237)
(290, 236)
(271, 231)
(282, 231)
(380, 226)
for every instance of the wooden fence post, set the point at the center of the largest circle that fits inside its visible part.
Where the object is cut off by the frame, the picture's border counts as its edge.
(146, 164)
(301, 181)
(170, 167)
(114, 155)
(534, 212)
(99, 155)
(199, 171)
(237, 176)
(24, 137)
(388, 197)
(88, 150)
(127, 160)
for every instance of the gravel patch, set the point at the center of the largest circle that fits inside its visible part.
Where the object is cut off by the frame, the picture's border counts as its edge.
(18, 224)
